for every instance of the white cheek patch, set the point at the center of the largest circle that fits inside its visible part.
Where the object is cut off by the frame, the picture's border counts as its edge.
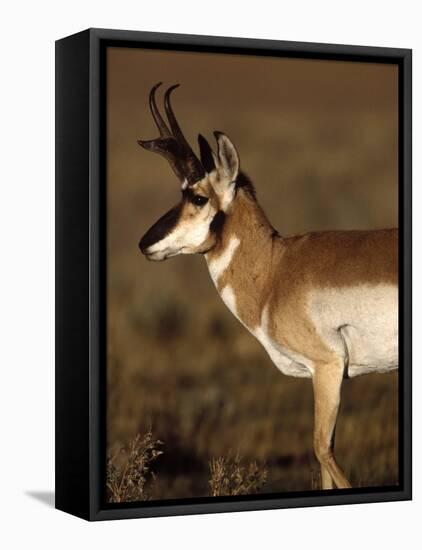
(219, 265)
(195, 234)
(185, 238)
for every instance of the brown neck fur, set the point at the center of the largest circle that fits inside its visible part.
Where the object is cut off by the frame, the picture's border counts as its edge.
(252, 266)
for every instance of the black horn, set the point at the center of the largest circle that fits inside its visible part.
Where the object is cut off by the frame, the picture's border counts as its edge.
(174, 125)
(159, 121)
(172, 144)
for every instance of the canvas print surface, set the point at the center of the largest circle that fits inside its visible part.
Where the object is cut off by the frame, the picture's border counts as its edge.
(252, 303)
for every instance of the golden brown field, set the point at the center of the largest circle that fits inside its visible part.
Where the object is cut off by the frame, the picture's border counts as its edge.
(319, 140)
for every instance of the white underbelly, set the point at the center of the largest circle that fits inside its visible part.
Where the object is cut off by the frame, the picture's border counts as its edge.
(288, 362)
(361, 323)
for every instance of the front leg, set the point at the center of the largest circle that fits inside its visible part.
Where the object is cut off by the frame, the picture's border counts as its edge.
(327, 381)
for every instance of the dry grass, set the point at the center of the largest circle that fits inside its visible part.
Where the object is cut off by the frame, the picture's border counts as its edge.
(130, 477)
(129, 470)
(230, 476)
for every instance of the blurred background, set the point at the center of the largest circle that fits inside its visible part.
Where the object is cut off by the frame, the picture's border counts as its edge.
(319, 140)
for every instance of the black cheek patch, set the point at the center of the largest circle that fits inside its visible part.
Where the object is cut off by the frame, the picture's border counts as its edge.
(161, 228)
(217, 224)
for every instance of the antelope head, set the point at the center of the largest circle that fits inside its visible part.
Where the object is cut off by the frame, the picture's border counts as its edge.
(208, 187)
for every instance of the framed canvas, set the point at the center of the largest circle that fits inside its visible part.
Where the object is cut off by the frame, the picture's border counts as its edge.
(280, 198)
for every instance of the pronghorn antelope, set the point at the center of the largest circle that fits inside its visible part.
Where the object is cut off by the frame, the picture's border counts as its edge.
(324, 305)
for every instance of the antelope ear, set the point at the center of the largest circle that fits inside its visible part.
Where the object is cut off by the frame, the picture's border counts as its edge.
(227, 156)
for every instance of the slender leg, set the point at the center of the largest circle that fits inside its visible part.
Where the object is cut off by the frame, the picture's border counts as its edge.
(327, 382)
(326, 480)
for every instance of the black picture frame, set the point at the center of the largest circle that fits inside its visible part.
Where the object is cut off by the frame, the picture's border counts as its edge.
(80, 272)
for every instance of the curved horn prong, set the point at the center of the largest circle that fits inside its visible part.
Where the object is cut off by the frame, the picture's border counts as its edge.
(171, 143)
(174, 125)
(159, 121)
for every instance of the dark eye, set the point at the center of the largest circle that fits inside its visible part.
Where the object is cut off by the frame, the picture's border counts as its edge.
(199, 200)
